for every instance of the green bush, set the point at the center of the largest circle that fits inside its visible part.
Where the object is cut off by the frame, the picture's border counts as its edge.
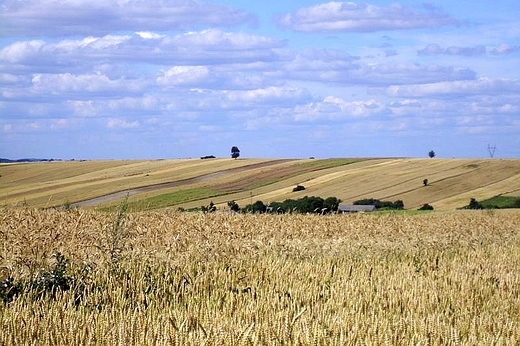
(381, 204)
(299, 188)
(426, 207)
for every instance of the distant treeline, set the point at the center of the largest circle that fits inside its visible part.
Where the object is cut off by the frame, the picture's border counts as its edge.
(381, 204)
(2, 160)
(303, 205)
(307, 204)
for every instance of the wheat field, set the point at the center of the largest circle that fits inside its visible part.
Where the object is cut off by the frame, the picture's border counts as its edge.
(173, 278)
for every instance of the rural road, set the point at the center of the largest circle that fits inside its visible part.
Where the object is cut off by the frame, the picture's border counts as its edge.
(199, 179)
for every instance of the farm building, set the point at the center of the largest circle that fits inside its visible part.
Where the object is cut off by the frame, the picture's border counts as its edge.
(344, 208)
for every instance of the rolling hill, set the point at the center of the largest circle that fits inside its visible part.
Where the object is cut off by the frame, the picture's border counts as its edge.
(192, 183)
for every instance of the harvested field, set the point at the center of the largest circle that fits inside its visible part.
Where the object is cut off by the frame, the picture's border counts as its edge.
(451, 182)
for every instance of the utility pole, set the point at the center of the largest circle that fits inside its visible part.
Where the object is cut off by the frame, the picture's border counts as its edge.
(491, 150)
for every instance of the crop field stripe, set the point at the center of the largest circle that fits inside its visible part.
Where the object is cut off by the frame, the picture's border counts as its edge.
(451, 181)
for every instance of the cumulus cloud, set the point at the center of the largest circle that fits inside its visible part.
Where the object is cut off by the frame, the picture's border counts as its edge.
(121, 123)
(456, 88)
(266, 96)
(89, 83)
(87, 17)
(361, 17)
(334, 108)
(503, 49)
(350, 72)
(202, 47)
(21, 51)
(149, 35)
(183, 75)
(435, 49)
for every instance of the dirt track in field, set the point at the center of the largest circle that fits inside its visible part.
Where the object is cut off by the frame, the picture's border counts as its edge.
(195, 180)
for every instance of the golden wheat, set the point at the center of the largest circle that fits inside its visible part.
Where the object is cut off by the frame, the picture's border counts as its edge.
(192, 279)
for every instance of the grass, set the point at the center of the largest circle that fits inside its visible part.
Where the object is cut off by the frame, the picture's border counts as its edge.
(261, 183)
(232, 279)
(409, 212)
(329, 163)
(171, 199)
(501, 202)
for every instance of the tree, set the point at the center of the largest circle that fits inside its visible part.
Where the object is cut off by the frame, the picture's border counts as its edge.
(398, 205)
(331, 203)
(431, 154)
(257, 207)
(235, 152)
(233, 206)
(425, 182)
(211, 208)
(474, 204)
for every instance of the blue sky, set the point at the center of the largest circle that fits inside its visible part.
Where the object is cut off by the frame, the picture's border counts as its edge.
(147, 79)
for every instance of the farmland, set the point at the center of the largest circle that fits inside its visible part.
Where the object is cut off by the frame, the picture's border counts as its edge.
(193, 183)
(86, 277)
(143, 273)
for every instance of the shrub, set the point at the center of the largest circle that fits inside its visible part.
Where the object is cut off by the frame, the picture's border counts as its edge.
(299, 188)
(211, 208)
(426, 207)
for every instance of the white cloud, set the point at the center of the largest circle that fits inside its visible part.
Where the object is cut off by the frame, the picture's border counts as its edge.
(58, 124)
(149, 35)
(223, 40)
(348, 72)
(194, 48)
(90, 83)
(351, 17)
(20, 51)
(84, 108)
(33, 126)
(121, 123)
(7, 78)
(435, 49)
(209, 128)
(334, 108)
(265, 96)
(183, 75)
(504, 48)
(49, 17)
(456, 88)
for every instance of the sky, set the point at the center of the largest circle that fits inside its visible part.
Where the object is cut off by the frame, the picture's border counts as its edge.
(159, 79)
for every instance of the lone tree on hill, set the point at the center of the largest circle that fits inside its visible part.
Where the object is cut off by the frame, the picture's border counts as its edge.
(431, 154)
(235, 152)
